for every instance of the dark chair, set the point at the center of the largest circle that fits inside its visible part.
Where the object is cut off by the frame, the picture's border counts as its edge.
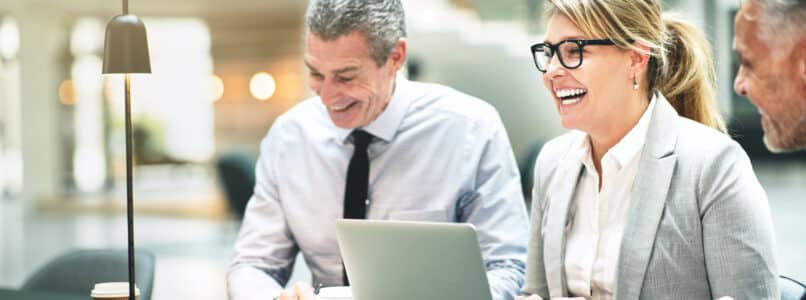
(527, 167)
(236, 171)
(76, 272)
(791, 289)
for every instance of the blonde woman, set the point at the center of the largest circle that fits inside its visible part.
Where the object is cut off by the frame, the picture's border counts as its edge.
(647, 197)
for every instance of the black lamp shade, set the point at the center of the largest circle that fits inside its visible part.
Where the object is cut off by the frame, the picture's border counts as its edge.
(126, 46)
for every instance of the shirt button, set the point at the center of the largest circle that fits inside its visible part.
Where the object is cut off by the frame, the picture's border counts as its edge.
(366, 202)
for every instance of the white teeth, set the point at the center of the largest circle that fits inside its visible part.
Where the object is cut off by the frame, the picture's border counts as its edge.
(571, 101)
(340, 107)
(569, 92)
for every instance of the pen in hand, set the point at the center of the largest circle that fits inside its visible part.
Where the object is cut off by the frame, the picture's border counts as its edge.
(316, 290)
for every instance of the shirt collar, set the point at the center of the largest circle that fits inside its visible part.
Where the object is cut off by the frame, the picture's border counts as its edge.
(628, 147)
(583, 150)
(386, 125)
(632, 143)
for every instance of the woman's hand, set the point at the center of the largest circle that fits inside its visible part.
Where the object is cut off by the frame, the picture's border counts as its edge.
(301, 291)
(536, 297)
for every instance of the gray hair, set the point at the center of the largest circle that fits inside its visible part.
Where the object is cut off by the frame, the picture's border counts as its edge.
(381, 21)
(789, 15)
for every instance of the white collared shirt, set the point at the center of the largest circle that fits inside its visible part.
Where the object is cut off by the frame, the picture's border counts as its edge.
(438, 155)
(595, 234)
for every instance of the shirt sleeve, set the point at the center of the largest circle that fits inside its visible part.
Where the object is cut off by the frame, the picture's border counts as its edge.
(497, 210)
(265, 248)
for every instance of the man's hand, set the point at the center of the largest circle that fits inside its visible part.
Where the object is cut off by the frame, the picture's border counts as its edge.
(301, 291)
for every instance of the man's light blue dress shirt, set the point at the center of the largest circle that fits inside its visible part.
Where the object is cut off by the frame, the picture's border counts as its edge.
(438, 155)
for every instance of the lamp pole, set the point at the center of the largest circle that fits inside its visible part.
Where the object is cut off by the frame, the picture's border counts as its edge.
(126, 52)
(129, 185)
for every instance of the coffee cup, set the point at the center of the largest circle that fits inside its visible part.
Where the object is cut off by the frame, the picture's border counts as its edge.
(113, 291)
(335, 293)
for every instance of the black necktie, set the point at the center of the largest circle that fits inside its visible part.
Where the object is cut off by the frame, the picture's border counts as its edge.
(355, 192)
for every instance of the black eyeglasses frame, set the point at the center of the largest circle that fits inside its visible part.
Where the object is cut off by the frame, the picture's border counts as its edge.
(580, 43)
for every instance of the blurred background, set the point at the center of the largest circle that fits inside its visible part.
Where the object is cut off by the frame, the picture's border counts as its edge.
(222, 72)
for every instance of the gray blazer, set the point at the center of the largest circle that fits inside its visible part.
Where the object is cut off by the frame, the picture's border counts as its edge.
(698, 226)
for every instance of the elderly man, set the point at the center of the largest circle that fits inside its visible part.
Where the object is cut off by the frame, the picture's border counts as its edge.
(374, 145)
(771, 41)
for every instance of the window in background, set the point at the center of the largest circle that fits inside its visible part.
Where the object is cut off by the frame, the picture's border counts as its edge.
(172, 108)
(83, 93)
(172, 116)
(10, 139)
(172, 112)
(10, 149)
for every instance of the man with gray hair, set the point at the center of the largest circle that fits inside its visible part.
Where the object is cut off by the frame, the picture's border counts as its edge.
(771, 43)
(374, 145)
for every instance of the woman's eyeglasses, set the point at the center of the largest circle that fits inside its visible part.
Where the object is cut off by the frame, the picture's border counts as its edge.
(570, 52)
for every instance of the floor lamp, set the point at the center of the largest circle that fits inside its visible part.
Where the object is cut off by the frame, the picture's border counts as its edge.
(126, 52)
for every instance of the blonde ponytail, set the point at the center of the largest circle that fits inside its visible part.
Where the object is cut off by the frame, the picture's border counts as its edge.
(685, 74)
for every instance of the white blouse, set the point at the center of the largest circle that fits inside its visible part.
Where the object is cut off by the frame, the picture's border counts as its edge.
(595, 234)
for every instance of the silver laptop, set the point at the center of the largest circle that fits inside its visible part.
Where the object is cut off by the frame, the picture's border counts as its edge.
(393, 260)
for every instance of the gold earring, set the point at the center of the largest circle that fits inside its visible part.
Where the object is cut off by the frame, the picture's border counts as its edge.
(634, 82)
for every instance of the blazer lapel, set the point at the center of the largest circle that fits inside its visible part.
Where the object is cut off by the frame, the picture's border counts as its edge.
(555, 227)
(649, 191)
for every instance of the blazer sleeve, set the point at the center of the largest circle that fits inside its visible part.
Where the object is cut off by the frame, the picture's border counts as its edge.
(738, 238)
(536, 283)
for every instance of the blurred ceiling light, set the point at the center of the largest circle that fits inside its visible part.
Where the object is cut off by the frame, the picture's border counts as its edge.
(9, 38)
(87, 37)
(216, 87)
(67, 95)
(262, 86)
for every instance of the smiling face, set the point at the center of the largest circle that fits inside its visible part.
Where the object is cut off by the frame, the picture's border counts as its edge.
(353, 88)
(597, 97)
(772, 74)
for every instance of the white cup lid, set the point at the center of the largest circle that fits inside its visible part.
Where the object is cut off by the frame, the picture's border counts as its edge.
(335, 293)
(113, 289)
